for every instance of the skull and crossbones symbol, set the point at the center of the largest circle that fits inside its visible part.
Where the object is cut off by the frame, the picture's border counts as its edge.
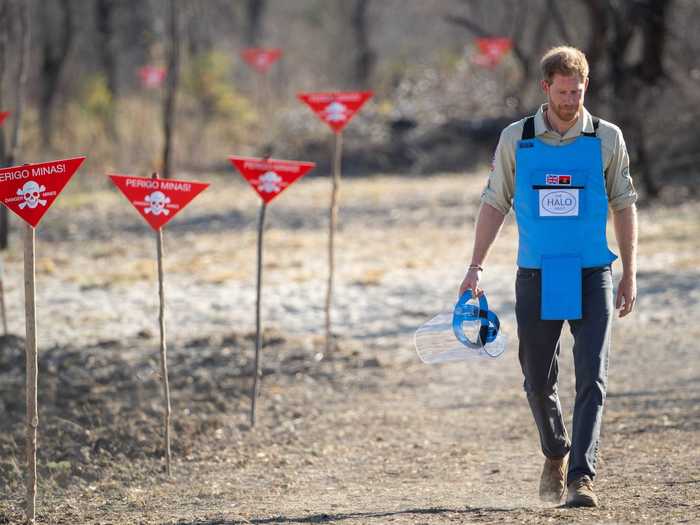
(31, 191)
(157, 201)
(269, 182)
(336, 112)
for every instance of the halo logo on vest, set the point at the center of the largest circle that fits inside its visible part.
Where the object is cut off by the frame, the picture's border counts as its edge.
(559, 203)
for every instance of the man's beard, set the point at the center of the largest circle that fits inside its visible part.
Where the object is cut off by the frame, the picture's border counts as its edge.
(564, 113)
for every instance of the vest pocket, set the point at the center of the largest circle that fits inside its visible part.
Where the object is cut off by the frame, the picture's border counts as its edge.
(561, 287)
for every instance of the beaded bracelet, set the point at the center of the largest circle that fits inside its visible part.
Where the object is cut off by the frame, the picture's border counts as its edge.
(476, 267)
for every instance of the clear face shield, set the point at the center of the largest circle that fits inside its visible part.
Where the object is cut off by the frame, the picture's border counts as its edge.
(469, 330)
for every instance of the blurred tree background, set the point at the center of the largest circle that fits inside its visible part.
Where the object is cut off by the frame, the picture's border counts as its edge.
(435, 109)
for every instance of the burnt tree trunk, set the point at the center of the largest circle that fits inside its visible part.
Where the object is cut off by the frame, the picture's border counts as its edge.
(365, 57)
(632, 81)
(255, 13)
(55, 48)
(21, 91)
(10, 156)
(4, 21)
(171, 87)
(596, 49)
(104, 21)
(198, 37)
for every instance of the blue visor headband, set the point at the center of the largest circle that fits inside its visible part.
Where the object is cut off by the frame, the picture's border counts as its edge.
(470, 312)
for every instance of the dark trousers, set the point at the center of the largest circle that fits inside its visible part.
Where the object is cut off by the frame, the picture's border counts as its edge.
(539, 354)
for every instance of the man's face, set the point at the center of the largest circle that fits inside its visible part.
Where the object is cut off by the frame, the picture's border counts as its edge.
(565, 95)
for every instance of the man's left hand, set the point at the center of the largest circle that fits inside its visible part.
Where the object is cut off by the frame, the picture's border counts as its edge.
(626, 295)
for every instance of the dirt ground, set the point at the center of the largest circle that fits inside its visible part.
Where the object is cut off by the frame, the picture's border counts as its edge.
(369, 436)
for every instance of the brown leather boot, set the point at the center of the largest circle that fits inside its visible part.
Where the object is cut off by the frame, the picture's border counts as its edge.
(581, 493)
(553, 480)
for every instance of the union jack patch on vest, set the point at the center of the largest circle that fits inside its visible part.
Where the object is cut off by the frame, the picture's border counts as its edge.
(561, 180)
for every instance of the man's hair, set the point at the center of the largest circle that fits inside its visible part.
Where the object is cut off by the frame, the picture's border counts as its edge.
(565, 60)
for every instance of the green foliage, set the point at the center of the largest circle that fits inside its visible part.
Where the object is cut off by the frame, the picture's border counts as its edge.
(59, 467)
(218, 114)
(207, 80)
(98, 100)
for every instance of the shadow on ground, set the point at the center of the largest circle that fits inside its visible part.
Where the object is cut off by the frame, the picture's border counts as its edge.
(332, 518)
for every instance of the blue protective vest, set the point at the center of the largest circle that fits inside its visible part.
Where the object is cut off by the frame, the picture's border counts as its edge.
(561, 207)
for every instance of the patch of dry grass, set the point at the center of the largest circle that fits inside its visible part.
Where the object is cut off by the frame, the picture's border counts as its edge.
(370, 277)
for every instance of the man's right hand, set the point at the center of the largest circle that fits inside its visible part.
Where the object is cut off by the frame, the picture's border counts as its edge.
(471, 282)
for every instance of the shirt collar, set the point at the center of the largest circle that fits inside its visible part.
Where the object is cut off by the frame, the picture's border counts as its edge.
(583, 124)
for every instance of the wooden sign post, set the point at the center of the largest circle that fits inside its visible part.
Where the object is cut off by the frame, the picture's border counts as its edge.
(336, 110)
(260, 60)
(3, 311)
(269, 178)
(29, 191)
(163, 347)
(32, 367)
(158, 201)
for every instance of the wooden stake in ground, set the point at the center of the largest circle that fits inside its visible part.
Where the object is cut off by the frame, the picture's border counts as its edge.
(32, 368)
(260, 60)
(29, 191)
(3, 311)
(163, 347)
(158, 201)
(336, 110)
(258, 332)
(268, 177)
(337, 159)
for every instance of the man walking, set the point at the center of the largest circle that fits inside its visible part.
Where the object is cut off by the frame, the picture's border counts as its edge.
(561, 170)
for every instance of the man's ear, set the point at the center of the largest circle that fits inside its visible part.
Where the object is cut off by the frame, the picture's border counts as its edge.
(585, 84)
(544, 85)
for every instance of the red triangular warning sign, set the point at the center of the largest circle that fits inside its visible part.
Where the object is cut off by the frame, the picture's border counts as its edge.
(491, 50)
(261, 59)
(3, 116)
(336, 109)
(152, 76)
(270, 177)
(157, 200)
(31, 189)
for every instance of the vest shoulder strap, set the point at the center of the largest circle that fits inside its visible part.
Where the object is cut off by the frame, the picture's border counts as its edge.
(529, 129)
(596, 121)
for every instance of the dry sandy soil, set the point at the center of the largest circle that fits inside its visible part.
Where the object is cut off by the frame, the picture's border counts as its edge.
(369, 436)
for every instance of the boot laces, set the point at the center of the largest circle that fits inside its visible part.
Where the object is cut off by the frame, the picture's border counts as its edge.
(583, 482)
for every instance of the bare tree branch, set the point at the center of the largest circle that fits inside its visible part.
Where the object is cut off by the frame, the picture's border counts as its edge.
(468, 24)
(54, 57)
(553, 8)
(4, 16)
(364, 55)
(520, 55)
(256, 10)
(171, 88)
(104, 18)
(21, 91)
